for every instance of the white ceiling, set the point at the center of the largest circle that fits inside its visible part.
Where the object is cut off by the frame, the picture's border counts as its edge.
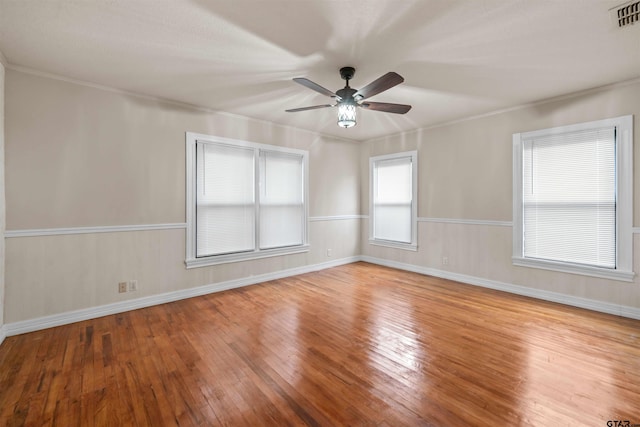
(458, 58)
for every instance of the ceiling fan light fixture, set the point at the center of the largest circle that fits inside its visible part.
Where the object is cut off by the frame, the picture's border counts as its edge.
(346, 114)
(348, 99)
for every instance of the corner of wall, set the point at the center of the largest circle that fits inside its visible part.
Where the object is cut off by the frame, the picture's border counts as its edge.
(2, 200)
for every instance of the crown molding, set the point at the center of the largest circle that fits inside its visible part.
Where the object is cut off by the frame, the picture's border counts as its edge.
(185, 105)
(635, 80)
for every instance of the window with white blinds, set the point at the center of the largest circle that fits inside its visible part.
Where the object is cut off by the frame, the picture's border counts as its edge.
(393, 208)
(281, 200)
(573, 207)
(569, 197)
(225, 199)
(245, 200)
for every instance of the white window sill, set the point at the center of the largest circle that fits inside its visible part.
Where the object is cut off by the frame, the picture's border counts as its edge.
(397, 245)
(244, 256)
(603, 273)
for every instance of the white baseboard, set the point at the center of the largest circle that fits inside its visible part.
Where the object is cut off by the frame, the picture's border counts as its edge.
(45, 322)
(601, 306)
(3, 333)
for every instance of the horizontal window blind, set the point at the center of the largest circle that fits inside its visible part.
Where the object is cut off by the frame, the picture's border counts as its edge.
(282, 213)
(225, 199)
(392, 199)
(569, 197)
(248, 199)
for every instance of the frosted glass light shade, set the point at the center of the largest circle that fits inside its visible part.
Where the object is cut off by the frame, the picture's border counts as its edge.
(346, 115)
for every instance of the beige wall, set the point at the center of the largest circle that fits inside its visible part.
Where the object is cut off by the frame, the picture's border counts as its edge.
(465, 173)
(2, 202)
(80, 156)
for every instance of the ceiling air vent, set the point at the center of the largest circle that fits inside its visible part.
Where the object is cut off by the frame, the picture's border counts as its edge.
(626, 14)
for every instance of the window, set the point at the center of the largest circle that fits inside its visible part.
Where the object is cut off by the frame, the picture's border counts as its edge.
(393, 200)
(244, 200)
(572, 198)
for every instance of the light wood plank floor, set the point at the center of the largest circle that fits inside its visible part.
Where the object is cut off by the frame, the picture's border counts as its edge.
(353, 345)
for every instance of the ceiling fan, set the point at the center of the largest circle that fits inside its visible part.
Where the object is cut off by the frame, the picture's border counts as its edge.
(348, 99)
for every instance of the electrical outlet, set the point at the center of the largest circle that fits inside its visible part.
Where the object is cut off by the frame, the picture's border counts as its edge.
(445, 260)
(329, 253)
(122, 287)
(133, 285)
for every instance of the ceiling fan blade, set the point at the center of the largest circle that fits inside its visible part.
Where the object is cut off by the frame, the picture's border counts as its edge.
(293, 110)
(315, 86)
(383, 83)
(386, 107)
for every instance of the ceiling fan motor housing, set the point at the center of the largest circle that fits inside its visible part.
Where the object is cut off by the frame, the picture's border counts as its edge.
(346, 94)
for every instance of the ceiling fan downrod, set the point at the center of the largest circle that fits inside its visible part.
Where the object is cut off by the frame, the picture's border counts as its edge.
(346, 93)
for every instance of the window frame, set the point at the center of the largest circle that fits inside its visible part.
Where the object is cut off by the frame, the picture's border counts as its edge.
(413, 245)
(624, 202)
(191, 261)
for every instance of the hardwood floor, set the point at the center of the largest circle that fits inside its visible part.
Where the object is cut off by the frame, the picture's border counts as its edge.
(353, 345)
